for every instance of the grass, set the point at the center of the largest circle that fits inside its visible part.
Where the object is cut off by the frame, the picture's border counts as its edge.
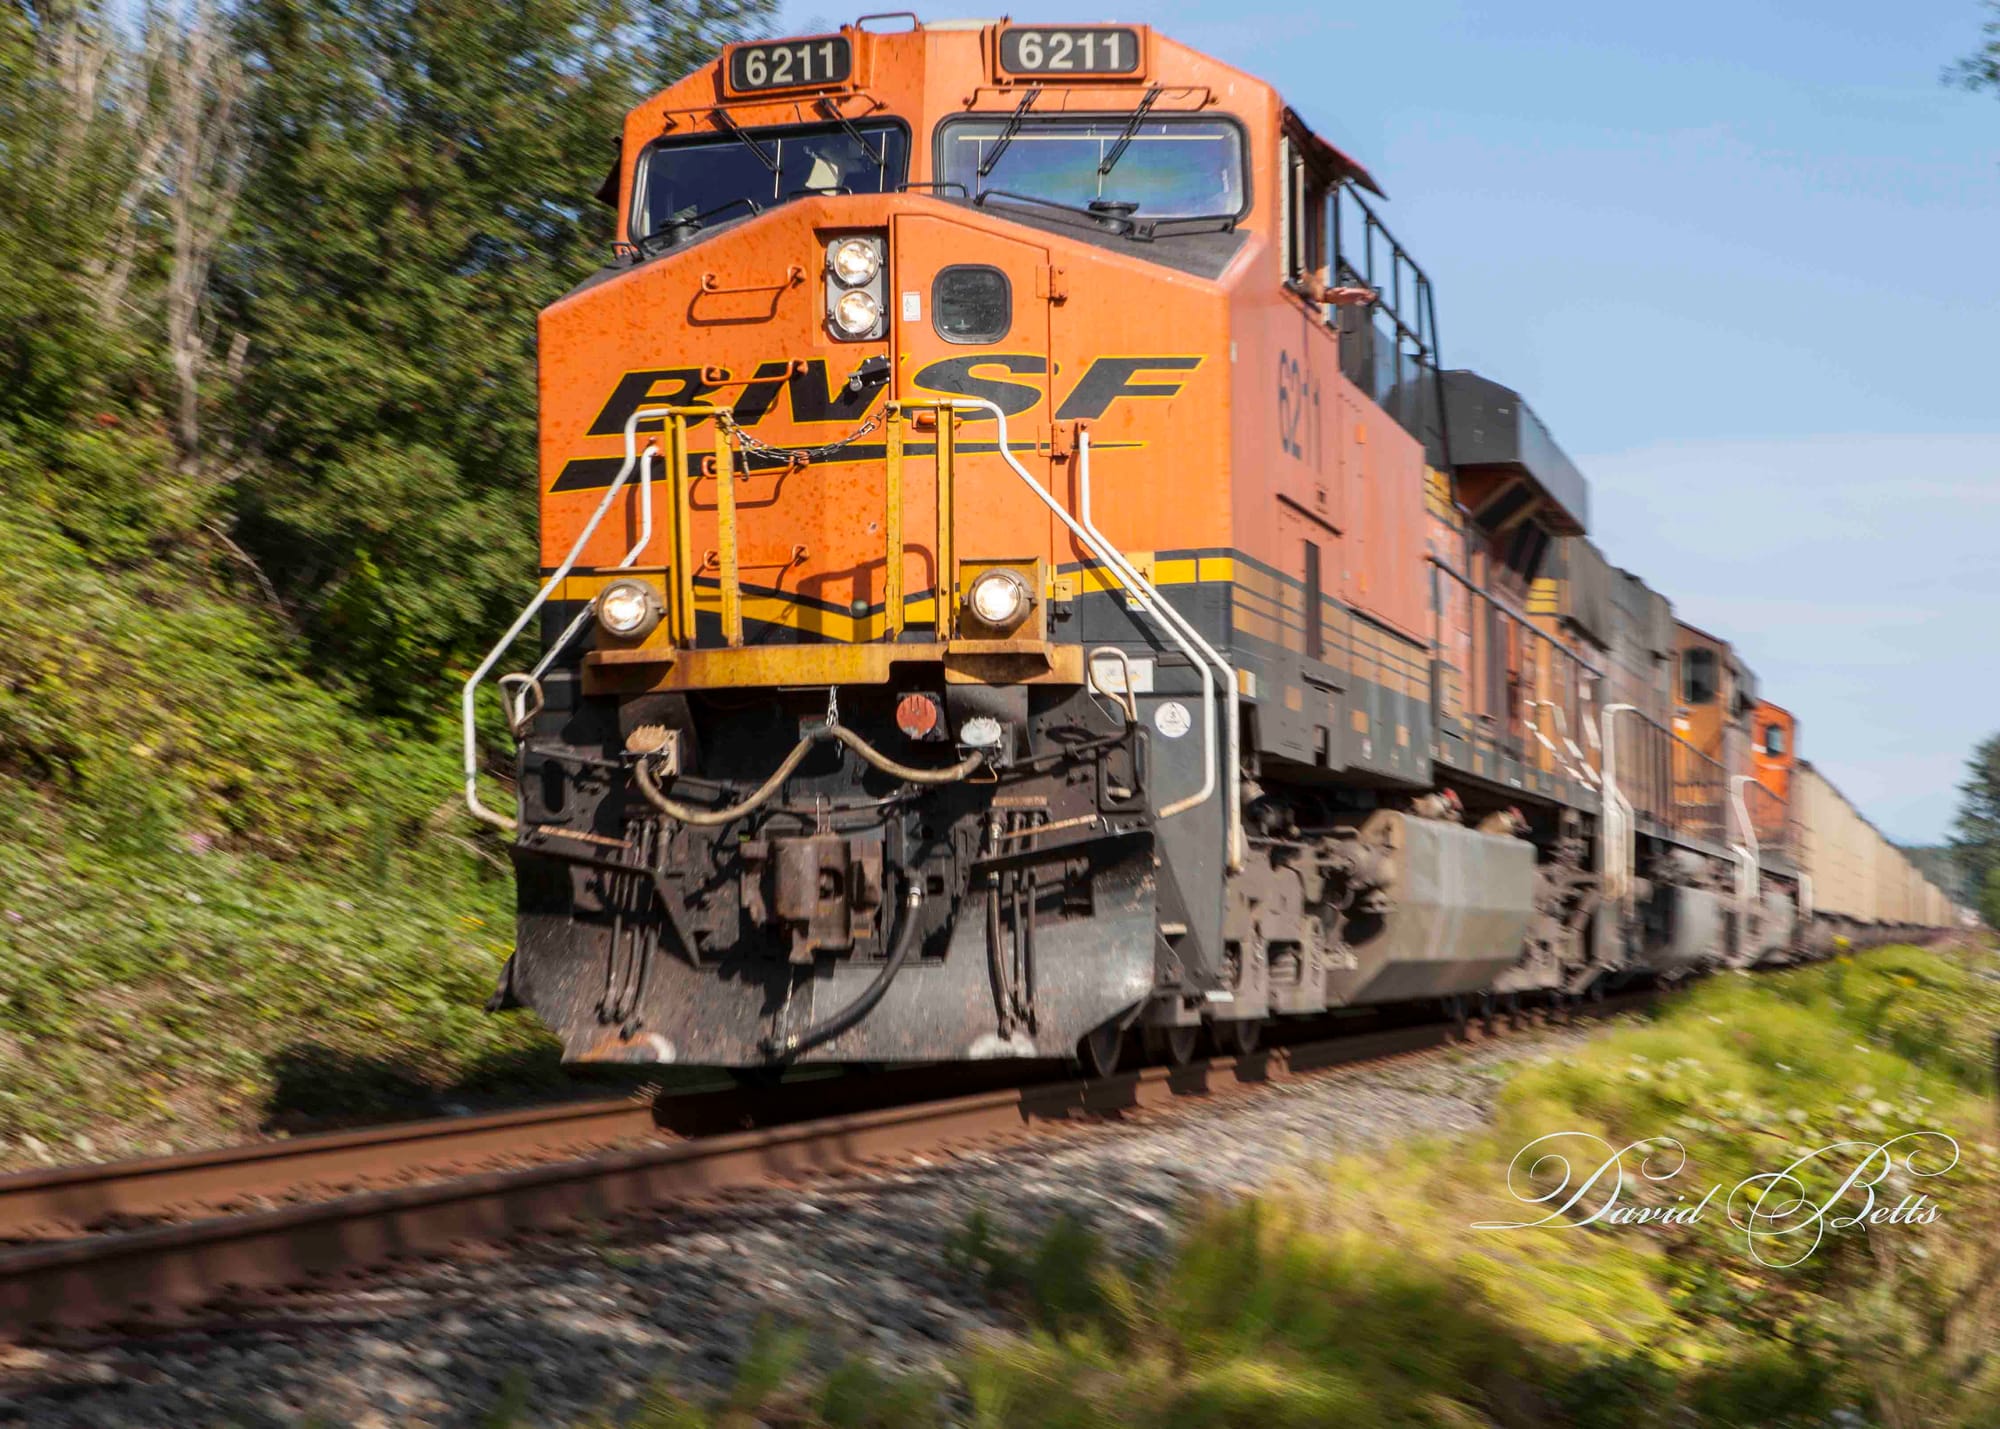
(1364, 1294)
(228, 900)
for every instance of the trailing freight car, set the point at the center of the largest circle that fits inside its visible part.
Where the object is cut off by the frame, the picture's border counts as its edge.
(1016, 573)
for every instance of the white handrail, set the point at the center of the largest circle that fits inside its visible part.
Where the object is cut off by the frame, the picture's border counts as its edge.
(561, 642)
(1580, 771)
(1176, 627)
(1583, 768)
(1747, 853)
(1232, 718)
(466, 701)
(1620, 834)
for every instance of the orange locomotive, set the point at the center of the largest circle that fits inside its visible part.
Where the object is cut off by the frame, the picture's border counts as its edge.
(1016, 573)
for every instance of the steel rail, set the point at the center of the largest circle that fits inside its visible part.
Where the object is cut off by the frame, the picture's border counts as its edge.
(151, 1274)
(71, 1200)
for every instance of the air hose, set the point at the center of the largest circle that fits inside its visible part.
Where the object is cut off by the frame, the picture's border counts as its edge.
(839, 1022)
(711, 818)
(950, 774)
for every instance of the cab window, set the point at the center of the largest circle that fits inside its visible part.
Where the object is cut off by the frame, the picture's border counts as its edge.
(1155, 168)
(1774, 739)
(686, 185)
(1698, 676)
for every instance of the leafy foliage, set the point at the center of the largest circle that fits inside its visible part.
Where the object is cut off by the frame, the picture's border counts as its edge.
(1939, 865)
(232, 892)
(1976, 835)
(421, 191)
(1981, 68)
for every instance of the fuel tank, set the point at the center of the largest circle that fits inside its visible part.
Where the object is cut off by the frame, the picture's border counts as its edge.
(1456, 916)
(1683, 928)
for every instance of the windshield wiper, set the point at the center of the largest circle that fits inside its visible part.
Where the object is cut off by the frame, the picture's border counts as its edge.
(684, 228)
(1007, 135)
(736, 131)
(1131, 132)
(832, 111)
(1114, 215)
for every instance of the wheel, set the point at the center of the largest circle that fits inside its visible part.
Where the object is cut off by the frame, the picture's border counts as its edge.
(1172, 1045)
(1098, 1051)
(1237, 1037)
(1455, 1014)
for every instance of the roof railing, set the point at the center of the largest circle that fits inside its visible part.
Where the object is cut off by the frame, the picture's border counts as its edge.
(1366, 254)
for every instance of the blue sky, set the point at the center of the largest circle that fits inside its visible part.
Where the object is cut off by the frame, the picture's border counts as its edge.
(1742, 259)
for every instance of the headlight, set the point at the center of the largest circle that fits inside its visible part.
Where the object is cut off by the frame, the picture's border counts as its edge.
(999, 598)
(855, 261)
(856, 284)
(857, 313)
(628, 609)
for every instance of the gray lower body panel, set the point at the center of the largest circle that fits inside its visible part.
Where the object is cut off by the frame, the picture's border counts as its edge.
(1463, 901)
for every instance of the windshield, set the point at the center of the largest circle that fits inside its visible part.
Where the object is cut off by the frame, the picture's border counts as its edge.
(684, 184)
(1172, 168)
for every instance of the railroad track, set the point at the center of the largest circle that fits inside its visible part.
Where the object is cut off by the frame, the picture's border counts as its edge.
(270, 1216)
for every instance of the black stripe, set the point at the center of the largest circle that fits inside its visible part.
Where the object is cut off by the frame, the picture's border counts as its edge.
(590, 473)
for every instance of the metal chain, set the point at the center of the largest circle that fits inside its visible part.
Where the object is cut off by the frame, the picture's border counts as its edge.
(750, 444)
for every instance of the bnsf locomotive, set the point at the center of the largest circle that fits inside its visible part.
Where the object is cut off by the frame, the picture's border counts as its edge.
(1018, 579)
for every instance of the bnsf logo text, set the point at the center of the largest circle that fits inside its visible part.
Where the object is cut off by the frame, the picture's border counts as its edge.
(813, 397)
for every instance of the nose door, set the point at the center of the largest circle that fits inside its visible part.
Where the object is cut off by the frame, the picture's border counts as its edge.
(971, 319)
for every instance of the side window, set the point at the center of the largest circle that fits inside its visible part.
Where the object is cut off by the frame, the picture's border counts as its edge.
(1304, 200)
(1315, 614)
(1698, 676)
(1774, 739)
(971, 303)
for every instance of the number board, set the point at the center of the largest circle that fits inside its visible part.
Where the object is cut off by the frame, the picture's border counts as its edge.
(1048, 51)
(820, 62)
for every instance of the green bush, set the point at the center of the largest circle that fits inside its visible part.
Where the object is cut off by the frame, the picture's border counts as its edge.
(227, 900)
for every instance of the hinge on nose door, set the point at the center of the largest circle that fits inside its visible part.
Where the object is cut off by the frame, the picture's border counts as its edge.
(1052, 284)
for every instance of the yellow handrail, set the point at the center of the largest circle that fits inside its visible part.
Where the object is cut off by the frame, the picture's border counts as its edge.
(944, 604)
(947, 555)
(892, 525)
(725, 539)
(682, 622)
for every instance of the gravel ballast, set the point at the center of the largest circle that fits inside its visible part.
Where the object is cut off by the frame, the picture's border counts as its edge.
(592, 1318)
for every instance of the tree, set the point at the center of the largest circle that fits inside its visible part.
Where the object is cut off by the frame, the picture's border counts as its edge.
(1976, 835)
(421, 189)
(1981, 68)
(202, 149)
(79, 430)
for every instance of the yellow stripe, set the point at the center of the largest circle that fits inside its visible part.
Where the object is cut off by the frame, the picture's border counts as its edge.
(1437, 493)
(1266, 607)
